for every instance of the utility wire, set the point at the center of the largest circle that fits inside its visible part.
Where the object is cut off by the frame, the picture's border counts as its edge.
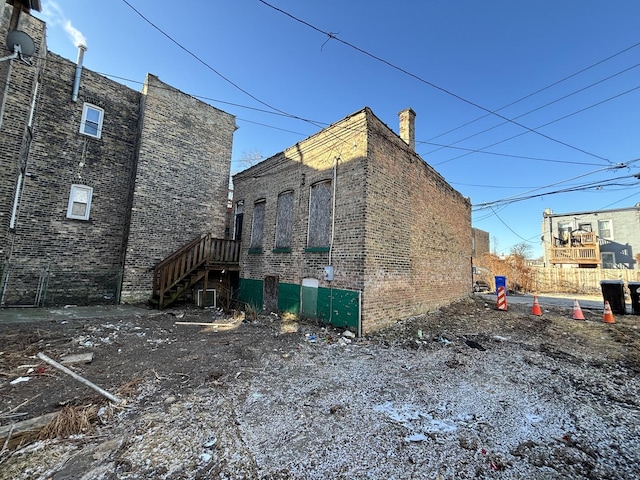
(622, 199)
(538, 91)
(588, 186)
(540, 107)
(426, 82)
(515, 156)
(544, 125)
(510, 229)
(630, 162)
(185, 49)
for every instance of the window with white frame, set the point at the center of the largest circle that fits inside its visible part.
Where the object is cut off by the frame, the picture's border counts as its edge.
(605, 229)
(91, 123)
(79, 202)
(608, 259)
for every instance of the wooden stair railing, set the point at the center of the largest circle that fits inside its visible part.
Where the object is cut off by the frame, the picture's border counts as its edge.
(187, 266)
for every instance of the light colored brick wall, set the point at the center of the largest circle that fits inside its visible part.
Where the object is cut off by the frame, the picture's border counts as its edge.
(296, 169)
(402, 234)
(182, 179)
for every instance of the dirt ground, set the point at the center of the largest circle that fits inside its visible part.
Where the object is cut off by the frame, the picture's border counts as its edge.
(462, 392)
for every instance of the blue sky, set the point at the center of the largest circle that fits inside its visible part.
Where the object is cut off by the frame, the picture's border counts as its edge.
(453, 62)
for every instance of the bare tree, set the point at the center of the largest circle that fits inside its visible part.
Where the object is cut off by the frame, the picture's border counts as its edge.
(250, 158)
(522, 249)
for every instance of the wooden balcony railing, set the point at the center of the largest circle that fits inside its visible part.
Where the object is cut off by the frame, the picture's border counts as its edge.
(581, 255)
(201, 251)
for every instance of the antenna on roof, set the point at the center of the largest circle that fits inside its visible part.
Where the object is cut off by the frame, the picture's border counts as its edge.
(21, 44)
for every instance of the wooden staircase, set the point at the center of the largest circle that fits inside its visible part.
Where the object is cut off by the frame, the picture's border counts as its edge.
(189, 265)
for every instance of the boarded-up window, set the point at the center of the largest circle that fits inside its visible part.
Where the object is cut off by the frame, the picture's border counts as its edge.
(284, 220)
(257, 227)
(320, 215)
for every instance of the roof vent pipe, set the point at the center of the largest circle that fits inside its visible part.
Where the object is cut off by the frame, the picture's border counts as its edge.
(76, 80)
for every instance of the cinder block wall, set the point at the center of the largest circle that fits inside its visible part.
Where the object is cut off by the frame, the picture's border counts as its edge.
(418, 234)
(297, 169)
(181, 185)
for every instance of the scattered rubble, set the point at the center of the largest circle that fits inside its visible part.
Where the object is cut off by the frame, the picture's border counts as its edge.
(462, 392)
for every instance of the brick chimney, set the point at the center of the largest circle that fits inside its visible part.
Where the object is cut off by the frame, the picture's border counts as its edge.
(408, 127)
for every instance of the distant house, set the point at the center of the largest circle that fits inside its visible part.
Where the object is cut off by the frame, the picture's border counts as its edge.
(607, 238)
(352, 227)
(98, 182)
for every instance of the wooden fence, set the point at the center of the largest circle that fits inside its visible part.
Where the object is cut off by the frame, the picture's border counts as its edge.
(577, 280)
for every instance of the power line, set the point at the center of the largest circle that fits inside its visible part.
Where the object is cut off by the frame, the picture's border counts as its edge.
(538, 91)
(510, 229)
(524, 157)
(235, 85)
(588, 186)
(426, 82)
(544, 125)
(540, 107)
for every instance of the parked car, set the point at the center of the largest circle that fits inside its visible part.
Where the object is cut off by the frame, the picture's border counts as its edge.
(481, 286)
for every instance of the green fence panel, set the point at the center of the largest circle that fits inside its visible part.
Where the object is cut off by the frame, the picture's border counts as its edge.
(340, 311)
(250, 292)
(289, 298)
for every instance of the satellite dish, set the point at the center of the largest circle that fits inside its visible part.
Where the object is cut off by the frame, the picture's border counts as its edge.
(24, 41)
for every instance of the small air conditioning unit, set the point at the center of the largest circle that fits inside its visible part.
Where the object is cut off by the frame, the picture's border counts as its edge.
(210, 299)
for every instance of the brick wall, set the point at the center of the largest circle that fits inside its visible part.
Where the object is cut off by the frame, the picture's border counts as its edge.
(60, 156)
(15, 104)
(181, 186)
(402, 234)
(297, 169)
(418, 234)
(480, 242)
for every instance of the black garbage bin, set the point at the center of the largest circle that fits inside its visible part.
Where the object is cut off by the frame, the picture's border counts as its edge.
(634, 289)
(613, 292)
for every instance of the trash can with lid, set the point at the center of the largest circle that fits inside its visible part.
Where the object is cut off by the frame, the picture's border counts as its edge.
(613, 292)
(634, 290)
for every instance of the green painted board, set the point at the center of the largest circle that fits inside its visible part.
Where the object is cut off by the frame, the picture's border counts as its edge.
(289, 298)
(250, 292)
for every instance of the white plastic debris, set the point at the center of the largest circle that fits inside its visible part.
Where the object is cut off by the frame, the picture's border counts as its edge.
(20, 380)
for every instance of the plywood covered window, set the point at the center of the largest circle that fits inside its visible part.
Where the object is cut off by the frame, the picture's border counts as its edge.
(320, 215)
(257, 225)
(284, 220)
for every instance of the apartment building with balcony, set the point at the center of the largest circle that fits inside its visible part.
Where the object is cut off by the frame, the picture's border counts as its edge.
(609, 239)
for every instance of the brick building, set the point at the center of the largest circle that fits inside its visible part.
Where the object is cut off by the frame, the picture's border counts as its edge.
(99, 182)
(352, 227)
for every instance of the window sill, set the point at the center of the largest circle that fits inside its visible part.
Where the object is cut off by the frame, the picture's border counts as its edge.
(282, 250)
(316, 249)
(253, 251)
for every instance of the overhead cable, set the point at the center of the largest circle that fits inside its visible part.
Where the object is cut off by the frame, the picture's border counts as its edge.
(427, 82)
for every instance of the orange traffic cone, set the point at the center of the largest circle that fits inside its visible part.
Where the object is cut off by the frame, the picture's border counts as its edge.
(577, 311)
(535, 310)
(608, 314)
